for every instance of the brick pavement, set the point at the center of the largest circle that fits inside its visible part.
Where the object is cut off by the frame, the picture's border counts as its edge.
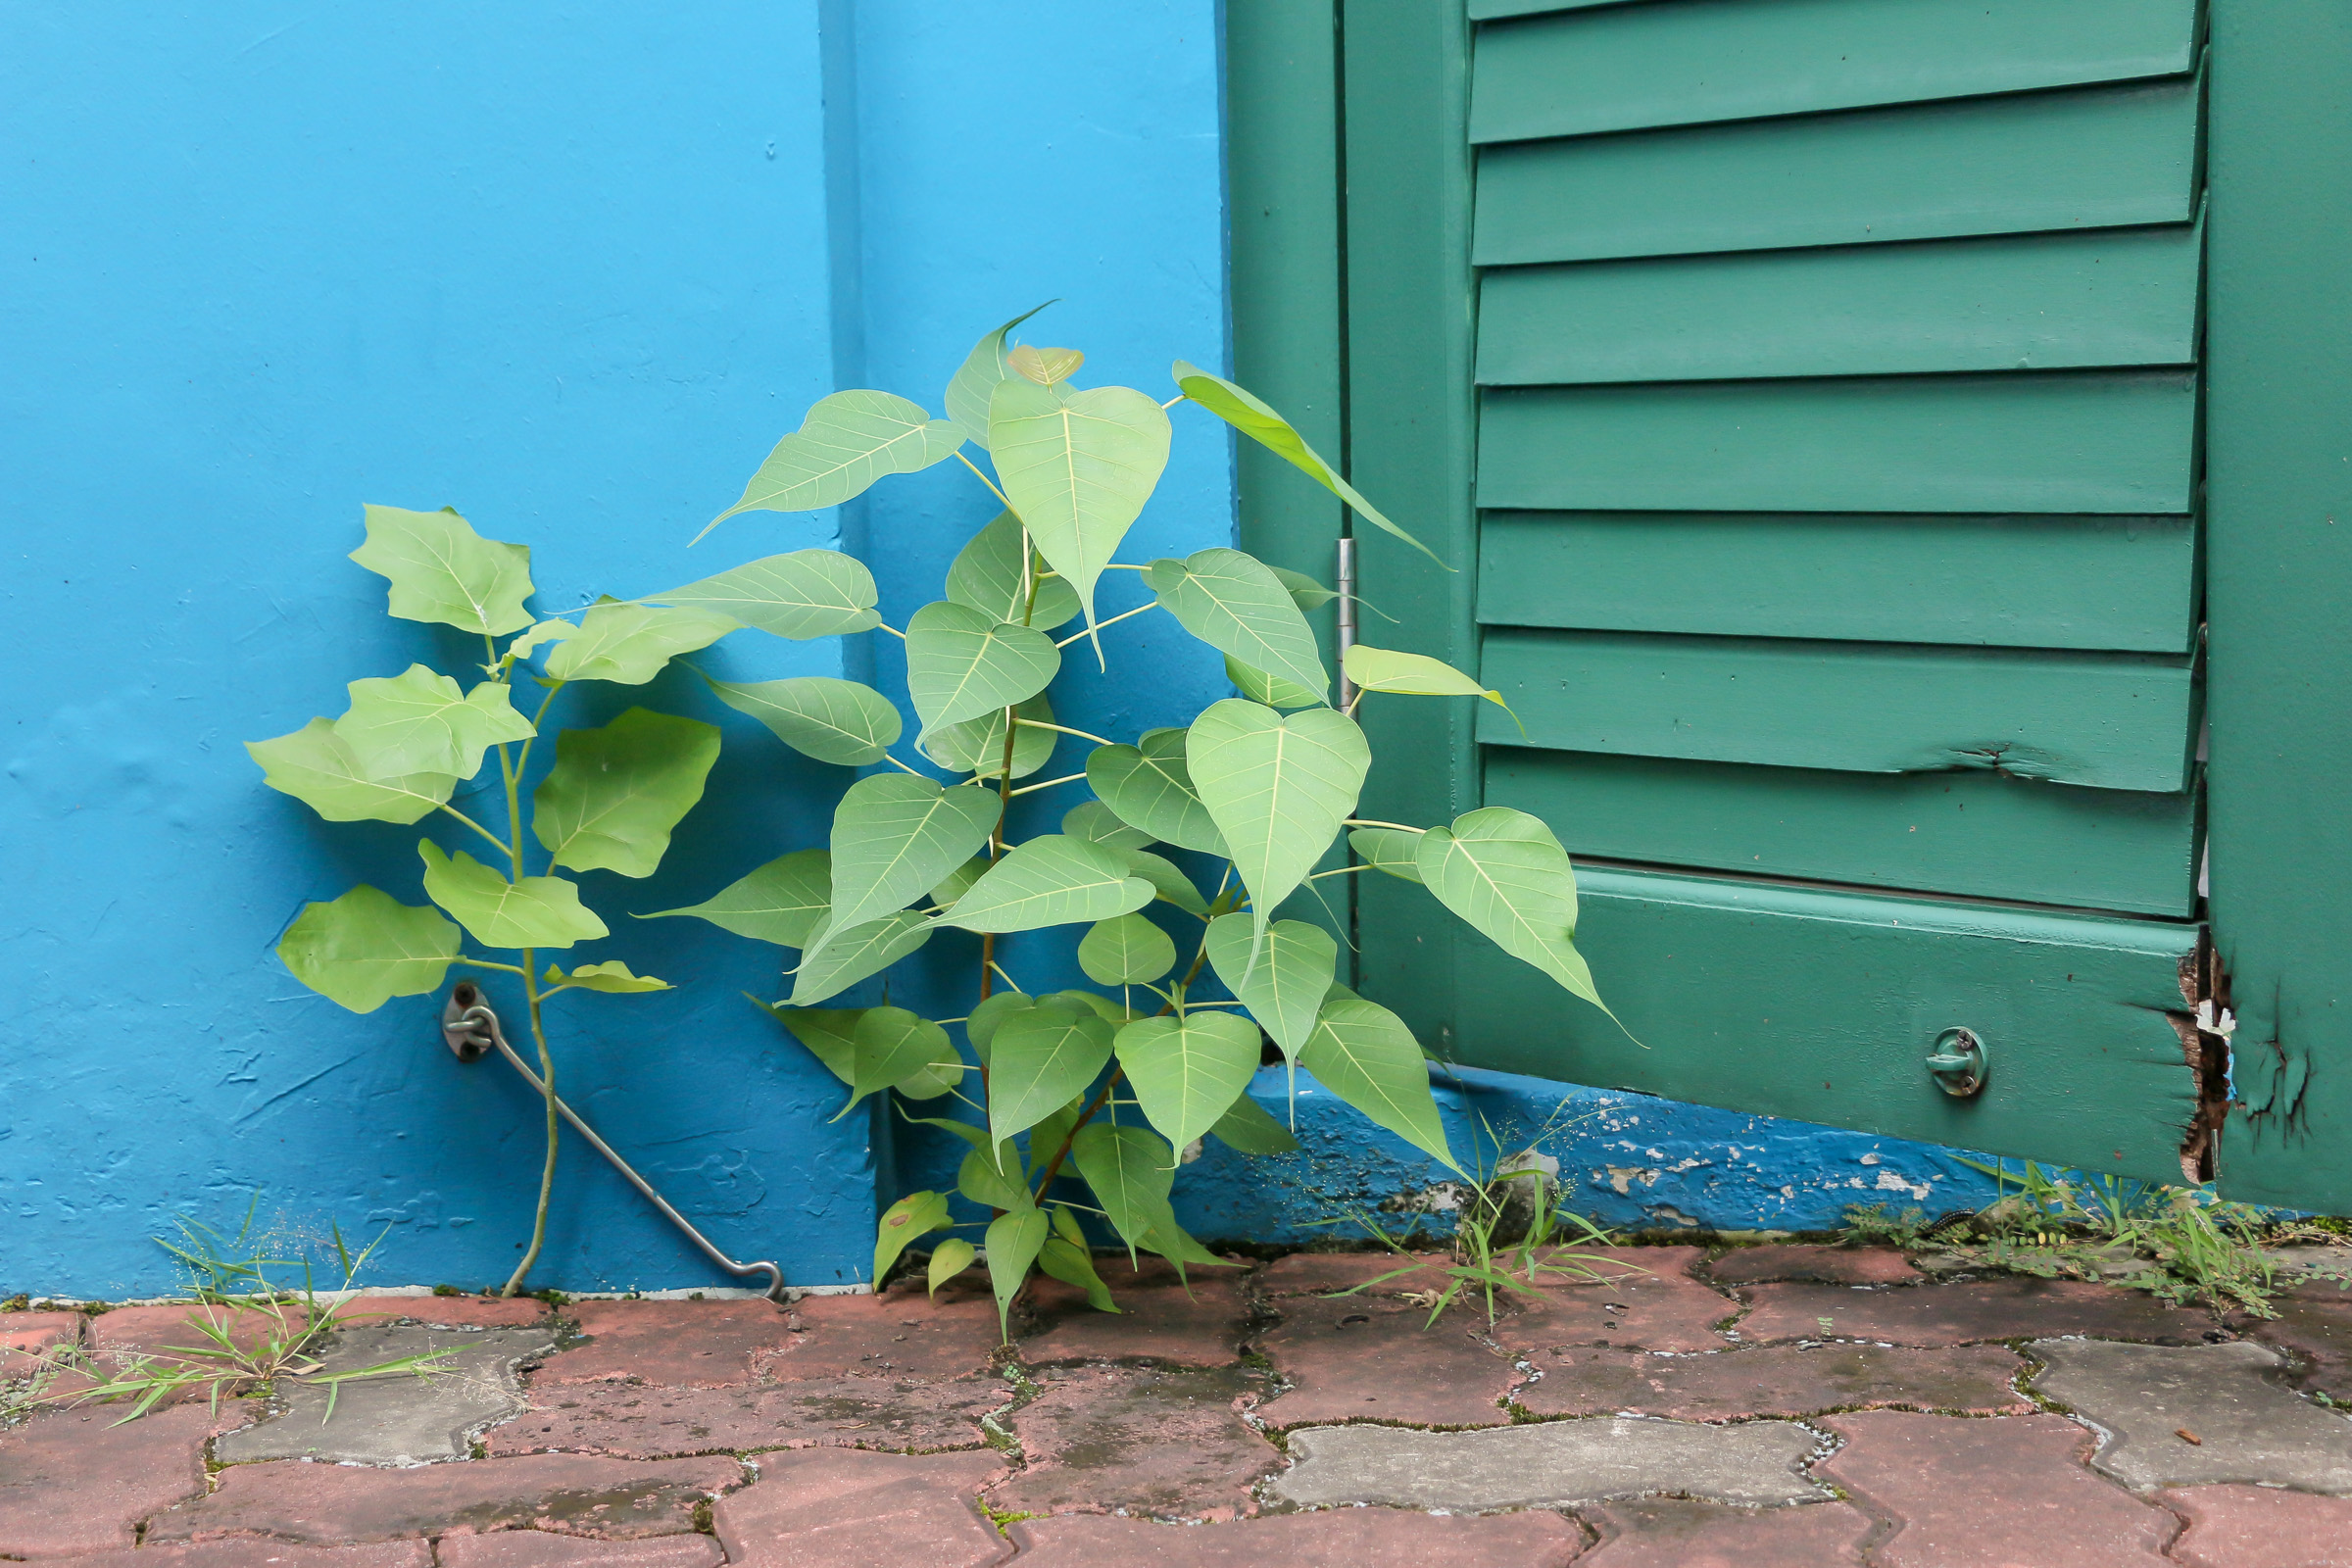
(1780, 1404)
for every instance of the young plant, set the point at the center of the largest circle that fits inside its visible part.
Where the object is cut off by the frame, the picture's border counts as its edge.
(1106, 1087)
(410, 741)
(255, 1333)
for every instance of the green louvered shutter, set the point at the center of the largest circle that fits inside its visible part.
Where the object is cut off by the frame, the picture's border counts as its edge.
(1809, 390)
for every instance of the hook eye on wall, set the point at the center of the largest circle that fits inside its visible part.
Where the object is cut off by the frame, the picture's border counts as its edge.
(1958, 1062)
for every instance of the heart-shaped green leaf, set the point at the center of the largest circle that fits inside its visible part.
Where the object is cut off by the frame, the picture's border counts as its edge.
(1503, 873)
(365, 948)
(1363, 1053)
(846, 442)
(1248, 1129)
(982, 369)
(443, 572)
(1071, 1263)
(629, 645)
(419, 722)
(977, 745)
(1233, 603)
(1389, 850)
(1306, 592)
(988, 575)
(1039, 1060)
(957, 883)
(319, 768)
(1278, 788)
(832, 721)
(1131, 1170)
(617, 791)
(951, 1258)
(1126, 949)
(989, 1184)
(887, 1045)
(1284, 989)
(1272, 690)
(538, 912)
(1013, 1240)
(1253, 418)
(829, 1033)
(915, 1214)
(1150, 787)
(1170, 883)
(1383, 670)
(1054, 879)
(895, 836)
(613, 978)
(981, 1027)
(1078, 469)
(1187, 1071)
(1098, 823)
(961, 664)
(804, 594)
(780, 902)
(839, 960)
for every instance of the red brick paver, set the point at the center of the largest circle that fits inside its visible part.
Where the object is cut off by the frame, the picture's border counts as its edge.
(1959, 1314)
(1339, 1538)
(564, 1493)
(1829, 1265)
(446, 1311)
(898, 1334)
(1369, 1359)
(2315, 1325)
(249, 1551)
(535, 1548)
(835, 1508)
(630, 1421)
(1195, 1323)
(1776, 1380)
(2012, 1492)
(1670, 1532)
(73, 1481)
(1312, 1273)
(1649, 1303)
(690, 1345)
(2260, 1527)
(23, 1336)
(1168, 1443)
(151, 1329)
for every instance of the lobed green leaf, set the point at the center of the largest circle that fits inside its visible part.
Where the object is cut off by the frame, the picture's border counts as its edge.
(419, 722)
(1098, 823)
(536, 911)
(613, 978)
(629, 645)
(443, 572)
(318, 767)
(617, 791)
(1383, 670)
(887, 1046)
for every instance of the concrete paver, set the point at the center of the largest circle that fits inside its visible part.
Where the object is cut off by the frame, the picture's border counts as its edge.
(691, 1344)
(1674, 1532)
(536, 1548)
(1170, 1444)
(898, 1334)
(1966, 1312)
(1369, 1358)
(399, 1419)
(1338, 1538)
(2240, 1425)
(1776, 1380)
(632, 1421)
(1828, 1265)
(1553, 1464)
(2010, 1493)
(563, 1493)
(1197, 1323)
(2260, 1527)
(838, 1508)
(73, 1481)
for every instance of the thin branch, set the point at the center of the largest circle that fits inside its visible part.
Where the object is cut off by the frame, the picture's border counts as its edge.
(503, 847)
(1061, 729)
(986, 480)
(1008, 979)
(1099, 625)
(1066, 778)
(1172, 402)
(884, 625)
(895, 762)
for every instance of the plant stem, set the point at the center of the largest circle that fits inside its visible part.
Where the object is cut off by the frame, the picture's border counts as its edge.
(547, 1173)
(986, 480)
(1053, 1166)
(1062, 730)
(1365, 821)
(1066, 778)
(502, 848)
(1113, 621)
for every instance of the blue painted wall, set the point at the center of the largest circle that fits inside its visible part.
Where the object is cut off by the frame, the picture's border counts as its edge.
(571, 272)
